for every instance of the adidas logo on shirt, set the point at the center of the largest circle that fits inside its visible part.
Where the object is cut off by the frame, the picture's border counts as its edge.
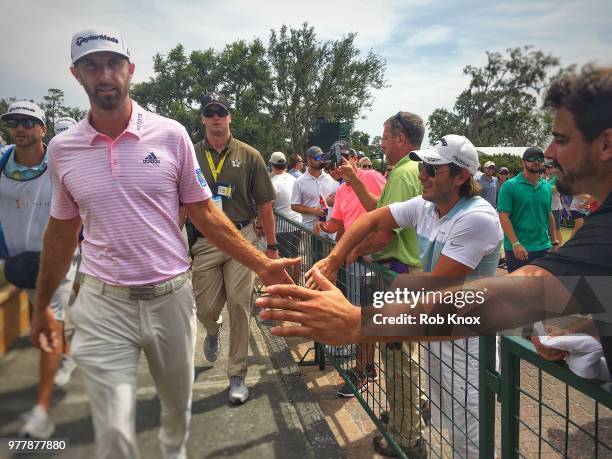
(151, 159)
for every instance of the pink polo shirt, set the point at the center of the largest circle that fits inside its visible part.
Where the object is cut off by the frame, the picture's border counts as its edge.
(127, 193)
(347, 206)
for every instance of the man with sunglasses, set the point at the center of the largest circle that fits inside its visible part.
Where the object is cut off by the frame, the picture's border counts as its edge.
(311, 187)
(459, 236)
(296, 165)
(25, 196)
(238, 177)
(525, 213)
(399, 251)
(124, 172)
(488, 183)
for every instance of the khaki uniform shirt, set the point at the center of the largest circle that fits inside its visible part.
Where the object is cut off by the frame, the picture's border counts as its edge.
(244, 168)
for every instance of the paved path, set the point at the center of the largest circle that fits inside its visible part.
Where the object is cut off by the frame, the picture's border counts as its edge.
(280, 421)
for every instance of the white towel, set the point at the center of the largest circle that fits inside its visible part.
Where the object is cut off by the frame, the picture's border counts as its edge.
(585, 354)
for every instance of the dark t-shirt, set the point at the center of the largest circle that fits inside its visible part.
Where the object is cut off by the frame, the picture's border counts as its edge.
(589, 253)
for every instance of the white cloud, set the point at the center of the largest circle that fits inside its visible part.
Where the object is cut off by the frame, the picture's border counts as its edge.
(427, 36)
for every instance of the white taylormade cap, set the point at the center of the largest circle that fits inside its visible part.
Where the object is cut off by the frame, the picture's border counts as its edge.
(95, 40)
(24, 107)
(63, 123)
(451, 148)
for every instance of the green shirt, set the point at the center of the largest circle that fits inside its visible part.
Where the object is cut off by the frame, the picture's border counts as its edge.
(528, 207)
(245, 170)
(402, 184)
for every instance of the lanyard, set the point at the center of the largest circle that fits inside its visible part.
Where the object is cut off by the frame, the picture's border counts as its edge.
(215, 170)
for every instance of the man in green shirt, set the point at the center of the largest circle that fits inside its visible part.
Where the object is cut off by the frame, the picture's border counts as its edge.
(524, 207)
(238, 178)
(399, 251)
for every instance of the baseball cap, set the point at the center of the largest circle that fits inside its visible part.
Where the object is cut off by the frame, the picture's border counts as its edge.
(278, 158)
(504, 169)
(215, 98)
(489, 164)
(344, 146)
(533, 151)
(95, 40)
(314, 151)
(451, 148)
(24, 107)
(64, 123)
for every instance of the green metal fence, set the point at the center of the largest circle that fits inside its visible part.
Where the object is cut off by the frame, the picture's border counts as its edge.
(450, 395)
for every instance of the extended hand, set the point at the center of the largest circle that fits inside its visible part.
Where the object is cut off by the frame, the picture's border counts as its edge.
(326, 268)
(348, 172)
(548, 353)
(43, 330)
(325, 316)
(275, 271)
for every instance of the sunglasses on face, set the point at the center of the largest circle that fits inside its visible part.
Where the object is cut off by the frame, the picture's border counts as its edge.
(221, 113)
(492, 168)
(535, 159)
(431, 169)
(316, 158)
(366, 166)
(27, 123)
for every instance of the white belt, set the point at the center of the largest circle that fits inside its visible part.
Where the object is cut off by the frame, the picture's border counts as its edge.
(137, 292)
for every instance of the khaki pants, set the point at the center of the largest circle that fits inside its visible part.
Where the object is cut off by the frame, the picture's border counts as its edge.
(217, 280)
(110, 332)
(402, 392)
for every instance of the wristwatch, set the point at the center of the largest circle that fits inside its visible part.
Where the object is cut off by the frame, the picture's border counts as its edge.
(514, 244)
(272, 246)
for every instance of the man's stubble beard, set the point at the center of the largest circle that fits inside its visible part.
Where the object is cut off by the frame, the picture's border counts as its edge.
(567, 181)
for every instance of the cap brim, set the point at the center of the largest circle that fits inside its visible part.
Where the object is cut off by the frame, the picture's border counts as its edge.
(216, 103)
(7, 116)
(91, 51)
(429, 157)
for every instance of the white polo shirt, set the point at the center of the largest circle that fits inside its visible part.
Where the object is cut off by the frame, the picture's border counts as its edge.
(307, 190)
(469, 233)
(127, 193)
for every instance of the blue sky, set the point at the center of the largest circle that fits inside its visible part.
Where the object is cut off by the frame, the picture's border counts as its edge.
(425, 43)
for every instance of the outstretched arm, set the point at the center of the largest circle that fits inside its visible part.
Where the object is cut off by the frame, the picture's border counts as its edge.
(59, 244)
(215, 225)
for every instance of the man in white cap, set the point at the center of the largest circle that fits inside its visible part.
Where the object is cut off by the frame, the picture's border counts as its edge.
(63, 124)
(459, 237)
(123, 172)
(24, 180)
(488, 183)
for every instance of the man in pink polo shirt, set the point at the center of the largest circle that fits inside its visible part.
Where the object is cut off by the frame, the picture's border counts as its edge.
(123, 172)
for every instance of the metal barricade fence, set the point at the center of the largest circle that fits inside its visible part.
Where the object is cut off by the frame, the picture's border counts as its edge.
(425, 397)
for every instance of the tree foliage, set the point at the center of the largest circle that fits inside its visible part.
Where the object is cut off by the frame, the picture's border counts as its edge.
(314, 79)
(277, 93)
(500, 106)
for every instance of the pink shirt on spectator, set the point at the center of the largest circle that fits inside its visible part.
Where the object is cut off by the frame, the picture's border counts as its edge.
(127, 193)
(347, 207)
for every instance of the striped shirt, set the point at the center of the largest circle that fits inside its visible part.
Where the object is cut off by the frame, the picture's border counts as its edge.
(127, 193)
